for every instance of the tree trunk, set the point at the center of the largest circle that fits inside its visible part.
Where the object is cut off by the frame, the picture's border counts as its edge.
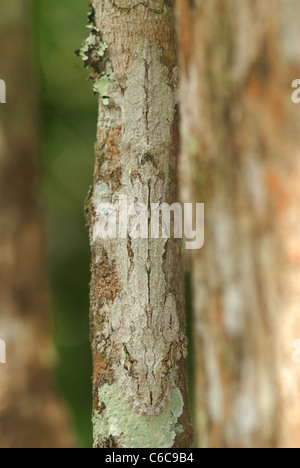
(137, 288)
(31, 415)
(240, 156)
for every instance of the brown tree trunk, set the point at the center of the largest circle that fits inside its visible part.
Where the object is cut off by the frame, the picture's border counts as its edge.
(137, 288)
(31, 415)
(240, 156)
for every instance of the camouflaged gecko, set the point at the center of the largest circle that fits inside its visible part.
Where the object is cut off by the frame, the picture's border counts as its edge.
(137, 287)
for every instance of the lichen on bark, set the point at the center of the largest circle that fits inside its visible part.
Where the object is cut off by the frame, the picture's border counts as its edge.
(119, 421)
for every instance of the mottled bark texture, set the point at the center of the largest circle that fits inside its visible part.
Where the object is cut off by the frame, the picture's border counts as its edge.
(240, 156)
(31, 415)
(137, 288)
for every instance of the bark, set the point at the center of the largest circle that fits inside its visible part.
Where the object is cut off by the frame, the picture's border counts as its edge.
(31, 415)
(240, 156)
(137, 288)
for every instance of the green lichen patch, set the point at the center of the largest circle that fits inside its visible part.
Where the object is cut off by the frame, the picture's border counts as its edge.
(134, 430)
(93, 49)
(101, 87)
(93, 54)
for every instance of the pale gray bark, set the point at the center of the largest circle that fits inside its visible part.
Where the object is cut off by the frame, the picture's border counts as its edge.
(137, 288)
(240, 156)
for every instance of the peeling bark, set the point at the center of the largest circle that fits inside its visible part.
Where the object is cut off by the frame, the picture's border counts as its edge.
(137, 288)
(240, 156)
(31, 415)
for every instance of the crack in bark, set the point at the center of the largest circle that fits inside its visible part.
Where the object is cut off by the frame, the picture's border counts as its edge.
(130, 8)
(130, 255)
(146, 88)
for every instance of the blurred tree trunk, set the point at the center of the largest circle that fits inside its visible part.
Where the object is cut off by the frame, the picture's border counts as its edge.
(137, 288)
(31, 415)
(241, 157)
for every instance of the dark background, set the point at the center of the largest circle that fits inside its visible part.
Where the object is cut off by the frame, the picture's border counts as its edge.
(69, 112)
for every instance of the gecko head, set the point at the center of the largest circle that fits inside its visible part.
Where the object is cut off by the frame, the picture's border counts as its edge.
(147, 379)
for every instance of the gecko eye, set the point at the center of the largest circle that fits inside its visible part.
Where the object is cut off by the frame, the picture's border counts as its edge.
(130, 364)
